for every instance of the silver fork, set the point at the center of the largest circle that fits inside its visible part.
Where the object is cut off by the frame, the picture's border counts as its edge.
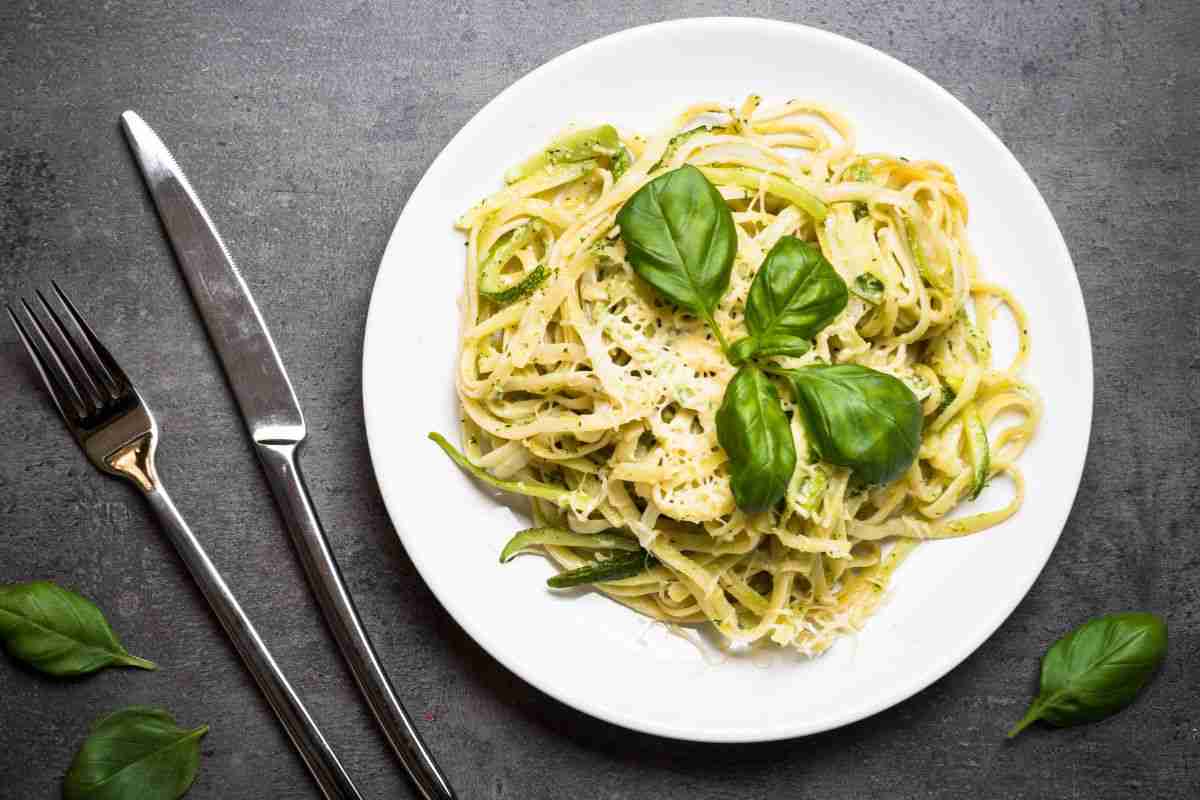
(114, 427)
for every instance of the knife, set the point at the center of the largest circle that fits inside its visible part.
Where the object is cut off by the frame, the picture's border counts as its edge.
(273, 418)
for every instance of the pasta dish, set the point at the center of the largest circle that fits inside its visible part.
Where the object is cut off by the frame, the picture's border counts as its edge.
(739, 368)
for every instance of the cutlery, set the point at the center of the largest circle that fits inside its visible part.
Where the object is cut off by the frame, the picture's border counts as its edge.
(276, 426)
(116, 430)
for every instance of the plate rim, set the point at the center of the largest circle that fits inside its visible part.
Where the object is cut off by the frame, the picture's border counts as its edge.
(938, 667)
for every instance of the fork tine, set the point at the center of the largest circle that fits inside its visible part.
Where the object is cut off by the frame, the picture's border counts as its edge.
(118, 381)
(55, 342)
(97, 376)
(88, 383)
(52, 376)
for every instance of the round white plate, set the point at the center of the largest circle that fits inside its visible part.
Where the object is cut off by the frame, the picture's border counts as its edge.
(588, 651)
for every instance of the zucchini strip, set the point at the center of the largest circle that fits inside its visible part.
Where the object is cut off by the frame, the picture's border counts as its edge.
(570, 148)
(504, 289)
(531, 537)
(977, 450)
(772, 184)
(625, 565)
(559, 495)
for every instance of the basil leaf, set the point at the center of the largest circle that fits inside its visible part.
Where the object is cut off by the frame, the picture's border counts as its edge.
(859, 418)
(795, 294)
(1097, 669)
(680, 238)
(755, 434)
(136, 752)
(59, 632)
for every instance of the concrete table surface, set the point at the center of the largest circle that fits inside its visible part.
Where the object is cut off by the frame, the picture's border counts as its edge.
(304, 126)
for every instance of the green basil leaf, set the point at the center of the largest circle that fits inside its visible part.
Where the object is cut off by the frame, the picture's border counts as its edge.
(755, 434)
(59, 632)
(680, 238)
(795, 294)
(1097, 669)
(136, 753)
(859, 418)
(743, 350)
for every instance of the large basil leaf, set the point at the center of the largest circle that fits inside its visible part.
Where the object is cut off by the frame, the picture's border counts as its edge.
(754, 431)
(136, 753)
(59, 632)
(795, 294)
(1097, 669)
(679, 237)
(859, 418)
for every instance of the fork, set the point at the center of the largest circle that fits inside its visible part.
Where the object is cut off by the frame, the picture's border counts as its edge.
(112, 424)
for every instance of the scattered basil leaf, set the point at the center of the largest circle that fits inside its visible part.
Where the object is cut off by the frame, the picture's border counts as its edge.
(136, 753)
(755, 434)
(859, 418)
(1097, 669)
(795, 294)
(59, 632)
(680, 238)
(869, 287)
(624, 565)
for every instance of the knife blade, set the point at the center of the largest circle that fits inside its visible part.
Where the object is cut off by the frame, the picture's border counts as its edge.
(276, 425)
(235, 325)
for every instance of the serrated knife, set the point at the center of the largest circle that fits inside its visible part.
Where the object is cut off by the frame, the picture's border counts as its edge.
(273, 418)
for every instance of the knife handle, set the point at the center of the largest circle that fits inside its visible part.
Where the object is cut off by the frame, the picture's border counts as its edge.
(301, 729)
(287, 484)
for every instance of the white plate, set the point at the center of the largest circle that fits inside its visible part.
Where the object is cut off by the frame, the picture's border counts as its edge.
(586, 650)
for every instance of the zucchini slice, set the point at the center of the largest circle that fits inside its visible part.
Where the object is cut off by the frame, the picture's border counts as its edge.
(977, 449)
(504, 288)
(564, 538)
(572, 147)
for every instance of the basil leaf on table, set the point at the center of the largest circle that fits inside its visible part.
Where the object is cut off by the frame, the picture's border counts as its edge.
(680, 238)
(59, 632)
(135, 753)
(755, 434)
(859, 418)
(1097, 669)
(795, 294)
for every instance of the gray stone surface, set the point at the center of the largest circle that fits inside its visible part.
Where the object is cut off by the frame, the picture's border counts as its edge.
(304, 128)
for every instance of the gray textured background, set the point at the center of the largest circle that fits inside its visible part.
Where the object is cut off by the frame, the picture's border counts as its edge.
(304, 129)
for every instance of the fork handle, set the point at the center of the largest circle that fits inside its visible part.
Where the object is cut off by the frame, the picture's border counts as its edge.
(325, 578)
(301, 729)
